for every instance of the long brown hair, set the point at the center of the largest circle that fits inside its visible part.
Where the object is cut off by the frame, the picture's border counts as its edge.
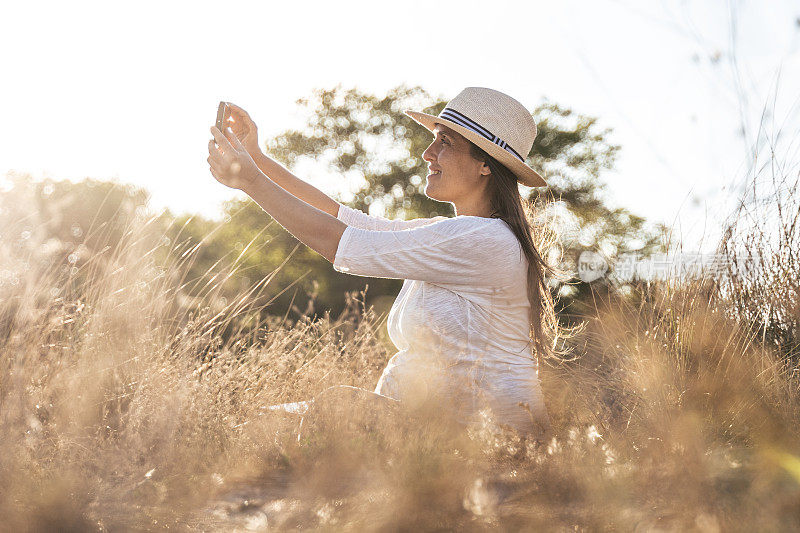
(507, 204)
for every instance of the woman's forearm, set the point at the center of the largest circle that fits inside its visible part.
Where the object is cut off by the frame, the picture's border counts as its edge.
(294, 185)
(315, 228)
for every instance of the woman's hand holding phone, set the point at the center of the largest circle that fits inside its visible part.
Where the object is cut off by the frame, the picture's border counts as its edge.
(229, 161)
(244, 128)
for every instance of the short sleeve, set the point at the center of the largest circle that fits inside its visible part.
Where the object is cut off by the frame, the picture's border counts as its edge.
(470, 251)
(359, 219)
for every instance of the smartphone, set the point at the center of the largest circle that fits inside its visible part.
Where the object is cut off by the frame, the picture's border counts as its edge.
(222, 115)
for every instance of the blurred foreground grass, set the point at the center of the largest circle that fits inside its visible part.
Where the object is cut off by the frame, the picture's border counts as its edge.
(124, 408)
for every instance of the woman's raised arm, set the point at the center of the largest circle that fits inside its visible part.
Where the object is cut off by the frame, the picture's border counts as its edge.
(294, 185)
(232, 165)
(247, 132)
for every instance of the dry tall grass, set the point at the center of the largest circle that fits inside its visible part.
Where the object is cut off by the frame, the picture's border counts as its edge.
(122, 409)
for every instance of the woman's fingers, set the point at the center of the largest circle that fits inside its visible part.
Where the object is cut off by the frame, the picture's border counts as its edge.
(224, 165)
(219, 168)
(222, 140)
(214, 150)
(239, 111)
(236, 142)
(215, 155)
(241, 119)
(225, 158)
(216, 176)
(221, 160)
(214, 164)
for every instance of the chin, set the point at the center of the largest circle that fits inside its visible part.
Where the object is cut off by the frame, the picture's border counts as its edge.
(432, 192)
(431, 195)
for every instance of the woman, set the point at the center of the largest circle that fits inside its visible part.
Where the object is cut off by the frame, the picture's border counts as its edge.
(473, 311)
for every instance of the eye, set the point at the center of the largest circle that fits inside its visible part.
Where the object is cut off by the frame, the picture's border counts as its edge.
(444, 141)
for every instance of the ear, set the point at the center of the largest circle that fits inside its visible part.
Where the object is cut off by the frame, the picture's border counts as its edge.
(485, 170)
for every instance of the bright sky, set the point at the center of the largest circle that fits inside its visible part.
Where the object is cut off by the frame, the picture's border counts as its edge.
(128, 91)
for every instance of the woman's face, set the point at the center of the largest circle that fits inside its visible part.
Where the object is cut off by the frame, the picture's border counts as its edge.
(455, 176)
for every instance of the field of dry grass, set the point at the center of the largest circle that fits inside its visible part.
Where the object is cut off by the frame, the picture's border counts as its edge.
(121, 408)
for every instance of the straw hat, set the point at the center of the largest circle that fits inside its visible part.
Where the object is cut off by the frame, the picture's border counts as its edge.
(495, 122)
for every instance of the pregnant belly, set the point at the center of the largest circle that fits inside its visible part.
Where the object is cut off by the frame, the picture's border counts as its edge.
(466, 388)
(416, 383)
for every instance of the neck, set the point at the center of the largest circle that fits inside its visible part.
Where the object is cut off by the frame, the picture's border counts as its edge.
(475, 209)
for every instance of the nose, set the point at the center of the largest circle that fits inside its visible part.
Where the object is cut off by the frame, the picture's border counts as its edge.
(429, 155)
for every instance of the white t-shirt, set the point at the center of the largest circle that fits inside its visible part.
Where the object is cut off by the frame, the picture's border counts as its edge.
(460, 321)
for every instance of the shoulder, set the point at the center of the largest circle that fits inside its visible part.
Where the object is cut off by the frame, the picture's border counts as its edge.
(495, 227)
(481, 232)
(470, 222)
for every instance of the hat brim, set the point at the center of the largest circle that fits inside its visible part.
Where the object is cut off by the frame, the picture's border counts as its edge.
(525, 174)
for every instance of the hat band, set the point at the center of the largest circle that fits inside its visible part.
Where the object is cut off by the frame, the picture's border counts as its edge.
(463, 120)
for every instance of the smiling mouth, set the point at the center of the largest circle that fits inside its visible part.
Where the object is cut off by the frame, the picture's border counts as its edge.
(436, 173)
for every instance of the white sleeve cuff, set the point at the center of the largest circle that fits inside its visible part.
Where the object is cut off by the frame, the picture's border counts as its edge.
(340, 262)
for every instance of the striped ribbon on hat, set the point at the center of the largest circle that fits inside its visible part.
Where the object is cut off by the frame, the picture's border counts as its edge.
(463, 120)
